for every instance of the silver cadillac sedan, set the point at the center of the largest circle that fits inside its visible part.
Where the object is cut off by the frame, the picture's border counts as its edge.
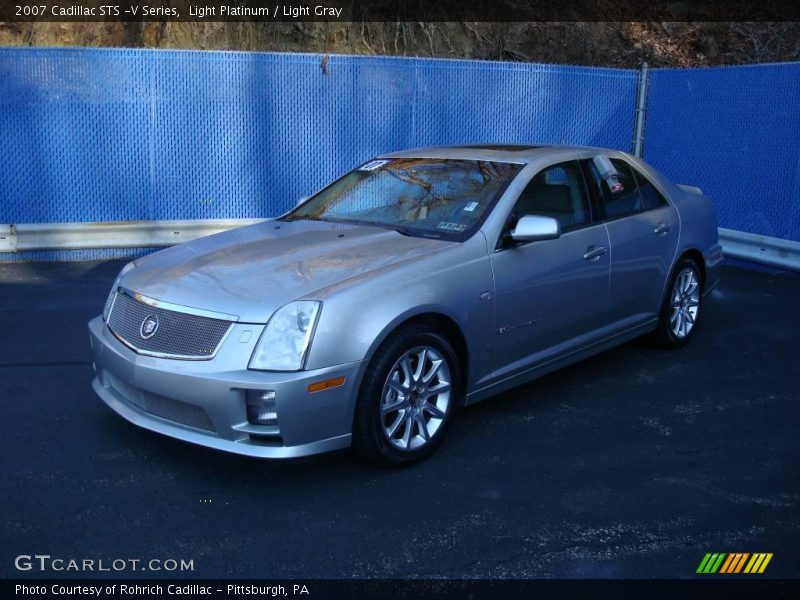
(420, 282)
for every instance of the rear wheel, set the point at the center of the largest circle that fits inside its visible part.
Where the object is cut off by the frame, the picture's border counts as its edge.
(681, 308)
(408, 397)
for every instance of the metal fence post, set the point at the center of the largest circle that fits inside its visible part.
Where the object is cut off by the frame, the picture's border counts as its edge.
(641, 110)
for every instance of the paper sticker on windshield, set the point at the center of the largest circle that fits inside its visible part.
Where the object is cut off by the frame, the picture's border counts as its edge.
(470, 207)
(447, 225)
(372, 165)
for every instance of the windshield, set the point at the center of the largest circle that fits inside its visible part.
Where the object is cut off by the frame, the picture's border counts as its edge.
(427, 197)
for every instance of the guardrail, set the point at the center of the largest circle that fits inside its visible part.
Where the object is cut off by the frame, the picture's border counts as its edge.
(761, 249)
(115, 234)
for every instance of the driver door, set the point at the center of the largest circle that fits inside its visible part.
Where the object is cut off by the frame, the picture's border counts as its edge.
(550, 296)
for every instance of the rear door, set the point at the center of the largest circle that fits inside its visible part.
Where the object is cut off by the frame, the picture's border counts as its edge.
(643, 232)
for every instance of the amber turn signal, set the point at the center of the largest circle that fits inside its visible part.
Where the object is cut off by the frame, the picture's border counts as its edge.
(326, 385)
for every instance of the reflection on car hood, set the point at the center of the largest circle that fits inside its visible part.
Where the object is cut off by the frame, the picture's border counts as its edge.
(252, 271)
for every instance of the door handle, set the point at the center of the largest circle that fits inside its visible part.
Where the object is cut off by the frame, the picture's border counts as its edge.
(595, 254)
(662, 228)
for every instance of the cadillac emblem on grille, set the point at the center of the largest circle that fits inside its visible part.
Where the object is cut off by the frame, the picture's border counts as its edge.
(149, 327)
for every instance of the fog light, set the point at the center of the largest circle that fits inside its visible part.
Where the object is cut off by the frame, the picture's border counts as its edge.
(261, 407)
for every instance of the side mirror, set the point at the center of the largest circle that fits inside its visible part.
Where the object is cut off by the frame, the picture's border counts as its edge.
(301, 200)
(531, 228)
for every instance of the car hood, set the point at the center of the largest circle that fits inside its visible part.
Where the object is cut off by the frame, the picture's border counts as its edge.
(252, 271)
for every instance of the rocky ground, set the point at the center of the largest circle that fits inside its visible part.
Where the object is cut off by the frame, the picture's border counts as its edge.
(600, 44)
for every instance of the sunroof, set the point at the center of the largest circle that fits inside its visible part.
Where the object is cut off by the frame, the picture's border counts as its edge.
(503, 147)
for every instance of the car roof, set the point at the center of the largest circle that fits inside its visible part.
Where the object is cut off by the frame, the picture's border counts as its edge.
(515, 153)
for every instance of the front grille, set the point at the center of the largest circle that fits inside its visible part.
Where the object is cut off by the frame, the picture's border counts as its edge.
(179, 334)
(161, 406)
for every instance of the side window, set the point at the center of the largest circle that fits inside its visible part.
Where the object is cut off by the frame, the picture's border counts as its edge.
(651, 197)
(625, 199)
(557, 192)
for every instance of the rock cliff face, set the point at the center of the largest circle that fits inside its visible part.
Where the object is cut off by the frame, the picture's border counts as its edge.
(600, 44)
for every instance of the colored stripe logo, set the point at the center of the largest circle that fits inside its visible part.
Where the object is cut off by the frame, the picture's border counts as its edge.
(734, 562)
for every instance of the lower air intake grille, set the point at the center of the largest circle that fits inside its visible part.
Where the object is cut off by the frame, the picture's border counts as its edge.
(161, 406)
(180, 412)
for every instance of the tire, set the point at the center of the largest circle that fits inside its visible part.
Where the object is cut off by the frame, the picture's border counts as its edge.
(682, 306)
(395, 400)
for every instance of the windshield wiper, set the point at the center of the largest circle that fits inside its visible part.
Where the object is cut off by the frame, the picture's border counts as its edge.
(401, 229)
(411, 232)
(306, 218)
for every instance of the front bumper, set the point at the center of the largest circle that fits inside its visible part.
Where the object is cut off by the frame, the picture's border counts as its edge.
(203, 402)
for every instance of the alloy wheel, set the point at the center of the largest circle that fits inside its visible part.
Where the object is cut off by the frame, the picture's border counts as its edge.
(415, 398)
(685, 302)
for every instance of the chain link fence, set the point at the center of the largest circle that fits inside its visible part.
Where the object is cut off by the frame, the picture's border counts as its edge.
(92, 135)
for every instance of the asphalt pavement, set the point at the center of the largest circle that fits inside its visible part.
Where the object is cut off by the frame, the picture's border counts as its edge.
(634, 463)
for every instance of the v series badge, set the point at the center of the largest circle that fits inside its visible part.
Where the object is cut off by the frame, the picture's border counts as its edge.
(508, 328)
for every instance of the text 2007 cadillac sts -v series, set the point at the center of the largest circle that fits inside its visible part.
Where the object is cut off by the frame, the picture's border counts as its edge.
(417, 283)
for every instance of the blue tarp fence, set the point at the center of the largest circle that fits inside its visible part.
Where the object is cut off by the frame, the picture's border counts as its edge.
(119, 134)
(735, 132)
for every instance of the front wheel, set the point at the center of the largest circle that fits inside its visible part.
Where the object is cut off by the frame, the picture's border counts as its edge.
(680, 311)
(408, 397)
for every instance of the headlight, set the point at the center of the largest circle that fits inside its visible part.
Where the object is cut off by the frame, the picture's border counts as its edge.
(284, 343)
(110, 299)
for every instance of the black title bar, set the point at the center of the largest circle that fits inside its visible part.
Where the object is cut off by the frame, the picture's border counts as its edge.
(398, 10)
(388, 589)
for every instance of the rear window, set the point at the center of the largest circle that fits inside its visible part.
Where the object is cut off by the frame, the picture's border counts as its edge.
(651, 197)
(625, 199)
